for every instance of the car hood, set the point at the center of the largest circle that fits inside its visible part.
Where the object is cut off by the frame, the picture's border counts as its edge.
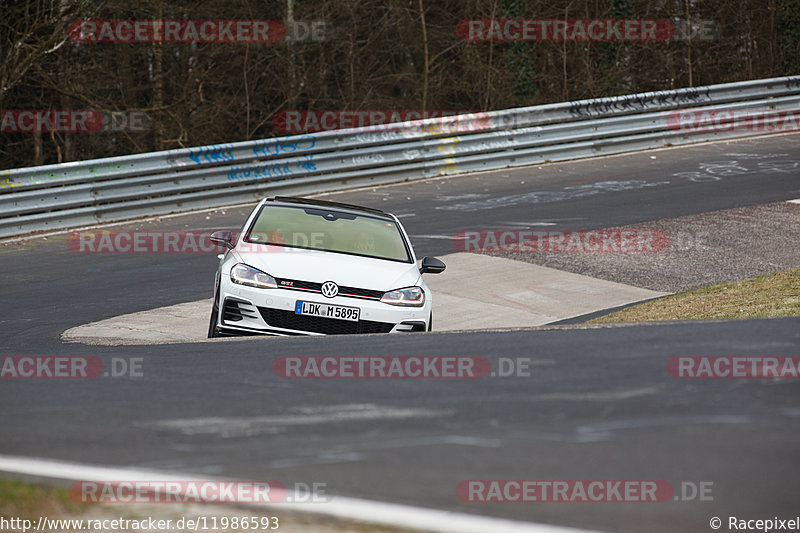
(343, 269)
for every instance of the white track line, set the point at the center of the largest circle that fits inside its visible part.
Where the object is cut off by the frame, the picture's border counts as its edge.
(794, 201)
(393, 514)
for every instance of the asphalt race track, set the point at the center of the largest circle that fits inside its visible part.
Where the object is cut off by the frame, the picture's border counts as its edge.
(598, 404)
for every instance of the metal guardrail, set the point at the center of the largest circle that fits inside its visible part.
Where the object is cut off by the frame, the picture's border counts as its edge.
(118, 188)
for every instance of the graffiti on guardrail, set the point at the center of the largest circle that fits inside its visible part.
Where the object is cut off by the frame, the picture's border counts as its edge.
(412, 154)
(272, 147)
(370, 137)
(36, 178)
(6, 182)
(103, 169)
(216, 153)
(639, 102)
(269, 170)
(367, 159)
(502, 144)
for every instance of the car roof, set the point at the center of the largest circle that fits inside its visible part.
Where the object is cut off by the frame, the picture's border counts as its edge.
(329, 205)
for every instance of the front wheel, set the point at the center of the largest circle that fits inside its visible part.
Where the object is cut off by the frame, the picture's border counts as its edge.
(213, 330)
(430, 322)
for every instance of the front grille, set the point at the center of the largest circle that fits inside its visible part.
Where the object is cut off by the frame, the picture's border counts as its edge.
(360, 293)
(235, 310)
(278, 318)
(311, 286)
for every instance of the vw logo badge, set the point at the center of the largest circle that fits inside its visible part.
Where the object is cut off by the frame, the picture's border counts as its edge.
(330, 289)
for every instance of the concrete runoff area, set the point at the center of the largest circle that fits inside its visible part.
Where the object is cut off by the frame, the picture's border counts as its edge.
(475, 292)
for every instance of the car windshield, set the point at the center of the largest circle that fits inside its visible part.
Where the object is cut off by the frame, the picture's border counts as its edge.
(329, 230)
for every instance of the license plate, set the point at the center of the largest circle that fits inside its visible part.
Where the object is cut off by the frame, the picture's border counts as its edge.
(327, 311)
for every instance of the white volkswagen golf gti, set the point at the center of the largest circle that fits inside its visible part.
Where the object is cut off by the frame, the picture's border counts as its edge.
(309, 267)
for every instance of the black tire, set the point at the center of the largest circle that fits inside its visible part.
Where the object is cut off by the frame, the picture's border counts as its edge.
(430, 322)
(213, 330)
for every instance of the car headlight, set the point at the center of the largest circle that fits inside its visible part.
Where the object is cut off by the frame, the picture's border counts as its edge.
(252, 277)
(411, 296)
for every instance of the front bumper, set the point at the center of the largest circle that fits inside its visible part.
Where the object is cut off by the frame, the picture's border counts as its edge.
(249, 310)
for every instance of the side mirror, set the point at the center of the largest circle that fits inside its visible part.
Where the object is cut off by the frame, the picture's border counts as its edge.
(431, 265)
(224, 238)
